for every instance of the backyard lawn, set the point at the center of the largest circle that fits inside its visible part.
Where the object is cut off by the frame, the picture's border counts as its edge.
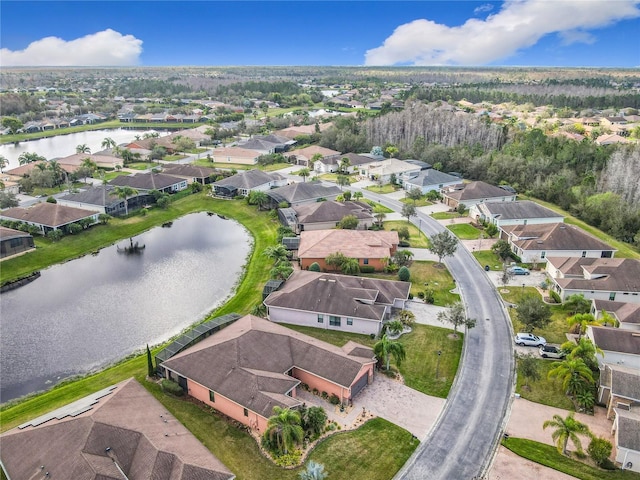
(464, 231)
(417, 239)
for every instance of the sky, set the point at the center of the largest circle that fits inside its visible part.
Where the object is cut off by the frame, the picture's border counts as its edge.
(573, 33)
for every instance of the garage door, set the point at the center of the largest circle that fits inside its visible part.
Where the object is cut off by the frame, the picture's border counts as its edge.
(359, 385)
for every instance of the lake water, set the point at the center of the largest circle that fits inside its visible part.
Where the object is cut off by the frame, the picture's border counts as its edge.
(65, 145)
(90, 312)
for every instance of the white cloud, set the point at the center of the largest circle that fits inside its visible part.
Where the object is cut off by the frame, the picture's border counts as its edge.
(106, 48)
(576, 36)
(518, 25)
(487, 7)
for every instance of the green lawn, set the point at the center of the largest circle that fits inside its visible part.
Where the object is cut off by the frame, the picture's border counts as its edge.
(388, 188)
(419, 368)
(426, 274)
(545, 391)
(487, 257)
(111, 175)
(422, 202)
(417, 239)
(444, 215)
(379, 207)
(45, 192)
(464, 231)
(173, 158)
(142, 165)
(203, 162)
(548, 455)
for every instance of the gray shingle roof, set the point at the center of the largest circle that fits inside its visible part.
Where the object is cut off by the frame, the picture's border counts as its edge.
(95, 195)
(432, 177)
(247, 179)
(616, 340)
(554, 236)
(146, 181)
(628, 428)
(303, 191)
(246, 362)
(477, 190)
(186, 170)
(608, 274)
(625, 382)
(517, 210)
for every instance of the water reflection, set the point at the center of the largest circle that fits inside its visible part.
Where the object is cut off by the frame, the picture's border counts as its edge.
(92, 311)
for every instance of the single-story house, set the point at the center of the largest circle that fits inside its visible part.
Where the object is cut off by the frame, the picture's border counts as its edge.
(611, 139)
(101, 160)
(627, 314)
(119, 432)
(191, 173)
(103, 199)
(357, 163)
(247, 181)
(534, 243)
(475, 192)
(27, 168)
(145, 182)
(620, 347)
(336, 302)
(384, 170)
(14, 242)
(293, 132)
(427, 180)
(523, 212)
(325, 215)
(266, 144)
(49, 216)
(239, 155)
(369, 247)
(596, 278)
(296, 194)
(626, 427)
(303, 156)
(253, 365)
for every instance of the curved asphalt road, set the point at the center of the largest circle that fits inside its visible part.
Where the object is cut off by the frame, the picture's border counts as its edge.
(462, 442)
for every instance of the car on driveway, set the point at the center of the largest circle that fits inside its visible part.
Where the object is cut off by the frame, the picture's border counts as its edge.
(530, 340)
(519, 271)
(551, 351)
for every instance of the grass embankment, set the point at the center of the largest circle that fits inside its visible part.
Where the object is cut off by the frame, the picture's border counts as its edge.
(444, 215)
(417, 239)
(464, 231)
(548, 455)
(248, 292)
(376, 450)
(422, 345)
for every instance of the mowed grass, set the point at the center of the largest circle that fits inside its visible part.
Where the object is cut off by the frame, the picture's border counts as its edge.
(426, 274)
(388, 188)
(487, 257)
(417, 239)
(548, 455)
(421, 345)
(204, 162)
(545, 390)
(444, 215)
(464, 231)
(421, 202)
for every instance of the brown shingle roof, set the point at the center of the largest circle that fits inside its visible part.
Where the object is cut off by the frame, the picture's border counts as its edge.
(608, 274)
(48, 214)
(311, 150)
(476, 191)
(624, 312)
(554, 236)
(340, 295)
(146, 181)
(146, 441)
(352, 243)
(7, 233)
(246, 362)
(332, 211)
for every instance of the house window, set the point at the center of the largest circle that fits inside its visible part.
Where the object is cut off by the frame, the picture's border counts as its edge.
(349, 321)
(584, 253)
(365, 261)
(212, 396)
(543, 254)
(334, 321)
(246, 412)
(320, 318)
(612, 296)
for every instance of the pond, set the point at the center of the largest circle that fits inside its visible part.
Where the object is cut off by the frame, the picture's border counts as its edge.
(65, 145)
(87, 313)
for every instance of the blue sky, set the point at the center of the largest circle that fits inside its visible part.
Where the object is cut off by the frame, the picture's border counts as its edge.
(152, 33)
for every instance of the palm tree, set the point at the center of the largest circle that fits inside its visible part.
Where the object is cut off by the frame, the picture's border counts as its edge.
(587, 351)
(108, 142)
(580, 321)
(345, 163)
(277, 253)
(284, 427)
(304, 173)
(124, 193)
(259, 198)
(357, 195)
(566, 429)
(573, 373)
(316, 157)
(380, 216)
(57, 170)
(28, 157)
(83, 148)
(385, 348)
(3, 162)
(350, 266)
(342, 180)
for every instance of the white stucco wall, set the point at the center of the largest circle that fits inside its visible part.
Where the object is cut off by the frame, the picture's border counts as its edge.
(310, 319)
(624, 456)
(530, 255)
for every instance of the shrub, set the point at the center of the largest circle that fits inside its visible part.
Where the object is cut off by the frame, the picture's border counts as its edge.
(333, 399)
(315, 391)
(169, 386)
(554, 295)
(55, 235)
(305, 387)
(429, 295)
(325, 395)
(410, 296)
(404, 243)
(315, 267)
(367, 269)
(404, 274)
(50, 199)
(599, 450)
(421, 295)
(289, 459)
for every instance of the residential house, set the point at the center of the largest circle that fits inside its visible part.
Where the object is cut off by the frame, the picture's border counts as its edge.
(304, 156)
(626, 426)
(336, 302)
(266, 144)
(191, 173)
(102, 199)
(611, 121)
(626, 314)
(254, 365)
(293, 132)
(523, 212)
(300, 193)
(428, 180)
(534, 243)
(384, 171)
(614, 279)
(325, 215)
(610, 139)
(247, 181)
(14, 242)
(231, 155)
(119, 432)
(145, 182)
(472, 193)
(620, 347)
(371, 248)
(101, 160)
(49, 216)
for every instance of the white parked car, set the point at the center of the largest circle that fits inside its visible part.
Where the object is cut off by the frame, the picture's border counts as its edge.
(529, 339)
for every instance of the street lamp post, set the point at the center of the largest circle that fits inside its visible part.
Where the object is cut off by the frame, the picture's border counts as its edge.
(438, 363)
